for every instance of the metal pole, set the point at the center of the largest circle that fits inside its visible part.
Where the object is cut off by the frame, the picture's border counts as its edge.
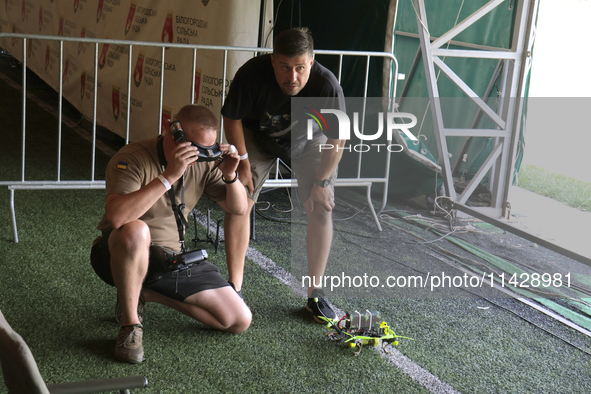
(193, 71)
(224, 74)
(161, 100)
(13, 216)
(59, 112)
(24, 114)
(129, 79)
(431, 79)
(94, 108)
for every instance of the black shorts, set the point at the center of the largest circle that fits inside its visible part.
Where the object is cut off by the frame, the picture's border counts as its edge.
(175, 285)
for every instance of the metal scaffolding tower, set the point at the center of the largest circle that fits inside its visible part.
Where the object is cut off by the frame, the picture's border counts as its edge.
(514, 64)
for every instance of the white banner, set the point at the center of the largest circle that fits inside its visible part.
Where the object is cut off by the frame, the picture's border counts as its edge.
(205, 22)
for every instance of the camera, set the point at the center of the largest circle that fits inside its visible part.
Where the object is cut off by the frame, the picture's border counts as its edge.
(182, 261)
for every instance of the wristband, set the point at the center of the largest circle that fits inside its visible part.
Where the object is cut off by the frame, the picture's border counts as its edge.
(244, 156)
(232, 181)
(164, 182)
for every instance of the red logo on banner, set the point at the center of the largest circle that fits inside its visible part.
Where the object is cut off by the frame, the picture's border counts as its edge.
(40, 18)
(103, 56)
(99, 11)
(116, 102)
(82, 84)
(167, 29)
(76, 4)
(81, 44)
(130, 15)
(60, 29)
(47, 56)
(138, 73)
(197, 83)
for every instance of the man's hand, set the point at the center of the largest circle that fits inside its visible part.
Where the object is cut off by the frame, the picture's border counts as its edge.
(246, 175)
(319, 198)
(231, 159)
(182, 157)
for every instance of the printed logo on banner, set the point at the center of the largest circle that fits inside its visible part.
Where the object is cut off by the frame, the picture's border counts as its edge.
(60, 29)
(103, 56)
(166, 117)
(344, 126)
(76, 4)
(130, 16)
(47, 56)
(116, 107)
(82, 84)
(81, 44)
(138, 72)
(167, 35)
(40, 18)
(205, 2)
(197, 83)
(99, 11)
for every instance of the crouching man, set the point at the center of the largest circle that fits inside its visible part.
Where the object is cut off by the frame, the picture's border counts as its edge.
(146, 182)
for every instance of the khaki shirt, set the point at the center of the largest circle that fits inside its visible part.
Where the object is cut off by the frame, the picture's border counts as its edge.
(136, 165)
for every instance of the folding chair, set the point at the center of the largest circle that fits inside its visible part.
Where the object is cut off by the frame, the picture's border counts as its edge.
(21, 374)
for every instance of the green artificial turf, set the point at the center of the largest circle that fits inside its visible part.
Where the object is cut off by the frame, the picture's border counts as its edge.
(51, 296)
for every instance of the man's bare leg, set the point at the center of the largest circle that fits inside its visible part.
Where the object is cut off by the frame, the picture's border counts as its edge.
(220, 308)
(318, 244)
(130, 250)
(237, 237)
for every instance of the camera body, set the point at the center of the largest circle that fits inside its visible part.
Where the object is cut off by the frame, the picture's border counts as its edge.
(182, 261)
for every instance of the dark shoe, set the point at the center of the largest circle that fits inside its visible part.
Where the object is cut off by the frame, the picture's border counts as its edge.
(129, 346)
(319, 306)
(140, 310)
(234, 287)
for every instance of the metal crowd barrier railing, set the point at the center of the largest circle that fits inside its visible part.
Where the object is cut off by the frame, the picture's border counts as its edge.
(92, 183)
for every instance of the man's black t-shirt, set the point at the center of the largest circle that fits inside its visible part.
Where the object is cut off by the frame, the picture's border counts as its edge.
(257, 99)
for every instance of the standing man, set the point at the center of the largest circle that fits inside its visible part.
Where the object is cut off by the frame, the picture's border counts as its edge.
(257, 120)
(145, 181)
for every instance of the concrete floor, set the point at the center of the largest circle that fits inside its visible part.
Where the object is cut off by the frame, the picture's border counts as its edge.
(549, 219)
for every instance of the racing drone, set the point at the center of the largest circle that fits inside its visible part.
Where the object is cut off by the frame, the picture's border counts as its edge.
(362, 329)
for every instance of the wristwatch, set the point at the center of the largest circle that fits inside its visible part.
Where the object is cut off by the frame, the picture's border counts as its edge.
(324, 183)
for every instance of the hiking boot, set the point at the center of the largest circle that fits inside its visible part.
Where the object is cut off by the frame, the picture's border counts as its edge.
(319, 306)
(140, 310)
(129, 346)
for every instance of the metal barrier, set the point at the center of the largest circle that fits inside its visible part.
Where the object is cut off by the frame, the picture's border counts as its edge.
(356, 181)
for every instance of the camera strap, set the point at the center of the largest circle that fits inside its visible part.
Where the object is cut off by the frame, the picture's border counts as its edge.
(181, 222)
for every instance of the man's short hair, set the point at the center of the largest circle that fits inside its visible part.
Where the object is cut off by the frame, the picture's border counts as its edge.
(198, 114)
(294, 42)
